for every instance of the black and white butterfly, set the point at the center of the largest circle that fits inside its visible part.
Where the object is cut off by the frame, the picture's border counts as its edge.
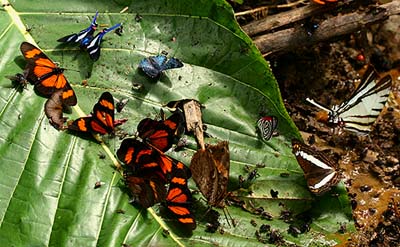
(359, 112)
(321, 173)
(87, 41)
(267, 125)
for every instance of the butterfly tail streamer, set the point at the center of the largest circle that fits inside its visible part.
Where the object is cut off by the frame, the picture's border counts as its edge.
(319, 105)
(94, 46)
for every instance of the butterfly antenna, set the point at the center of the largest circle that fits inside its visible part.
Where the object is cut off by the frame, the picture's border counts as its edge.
(94, 21)
(228, 219)
(106, 30)
(318, 105)
(73, 70)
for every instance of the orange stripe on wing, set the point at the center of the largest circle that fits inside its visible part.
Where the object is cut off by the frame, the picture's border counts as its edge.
(32, 53)
(45, 62)
(129, 155)
(41, 71)
(97, 128)
(107, 104)
(60, 81)
(82, 125)
(141, 153)
(179, 210)
(176, 180)
(170, 124)
(68, 94)
(166, 164)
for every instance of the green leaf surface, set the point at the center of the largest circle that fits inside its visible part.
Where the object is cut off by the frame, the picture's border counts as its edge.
(47, 195)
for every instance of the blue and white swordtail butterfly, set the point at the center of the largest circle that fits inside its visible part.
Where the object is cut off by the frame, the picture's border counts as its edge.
(155, 65)
(86, 40)
(359, 112)
(320, 173)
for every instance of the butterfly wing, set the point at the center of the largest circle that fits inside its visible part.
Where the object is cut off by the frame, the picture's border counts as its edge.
(102, 119)
(45, 74)
(364, 106)
(161, 134)
(81, 124)
(210, 171)
(172, 63)
(267, 125)
(143, 159)
(84, 36)
(103, 115)
(146, 190)
(321, 174)
(151, 66)
(179, 200)
(93, 46)
(54, 110)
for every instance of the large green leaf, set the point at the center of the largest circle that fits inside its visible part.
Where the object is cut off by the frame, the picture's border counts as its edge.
(47, 194)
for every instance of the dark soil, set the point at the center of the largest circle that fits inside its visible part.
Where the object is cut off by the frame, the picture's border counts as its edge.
(328, 73)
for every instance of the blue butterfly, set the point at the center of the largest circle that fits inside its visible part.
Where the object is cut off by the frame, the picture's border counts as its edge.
(154, 66)
(86, 40)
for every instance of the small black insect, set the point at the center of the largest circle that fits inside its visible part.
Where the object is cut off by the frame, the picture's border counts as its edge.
(120, 211)
(119, 30)
(98, 184)
(102, 156)
(138, 18)
(121, 104)
(274, 193)
(294, 230)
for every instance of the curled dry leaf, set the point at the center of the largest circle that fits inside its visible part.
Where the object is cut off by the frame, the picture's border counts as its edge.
(193, 117)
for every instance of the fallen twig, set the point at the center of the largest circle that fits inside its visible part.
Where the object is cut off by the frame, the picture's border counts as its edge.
(291, 38)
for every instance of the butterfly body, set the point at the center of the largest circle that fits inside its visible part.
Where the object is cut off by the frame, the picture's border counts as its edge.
(155, 65)
(321, 174)
(359, 112)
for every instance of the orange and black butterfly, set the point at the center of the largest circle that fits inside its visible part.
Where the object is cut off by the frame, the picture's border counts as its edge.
(101, 121)
(46, 75)
(141, 158)
(148, 170)
(324, 1)
(179, 199)
(161, 134)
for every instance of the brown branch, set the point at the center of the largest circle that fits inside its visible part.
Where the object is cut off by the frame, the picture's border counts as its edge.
(285, 18)
(291, 38)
